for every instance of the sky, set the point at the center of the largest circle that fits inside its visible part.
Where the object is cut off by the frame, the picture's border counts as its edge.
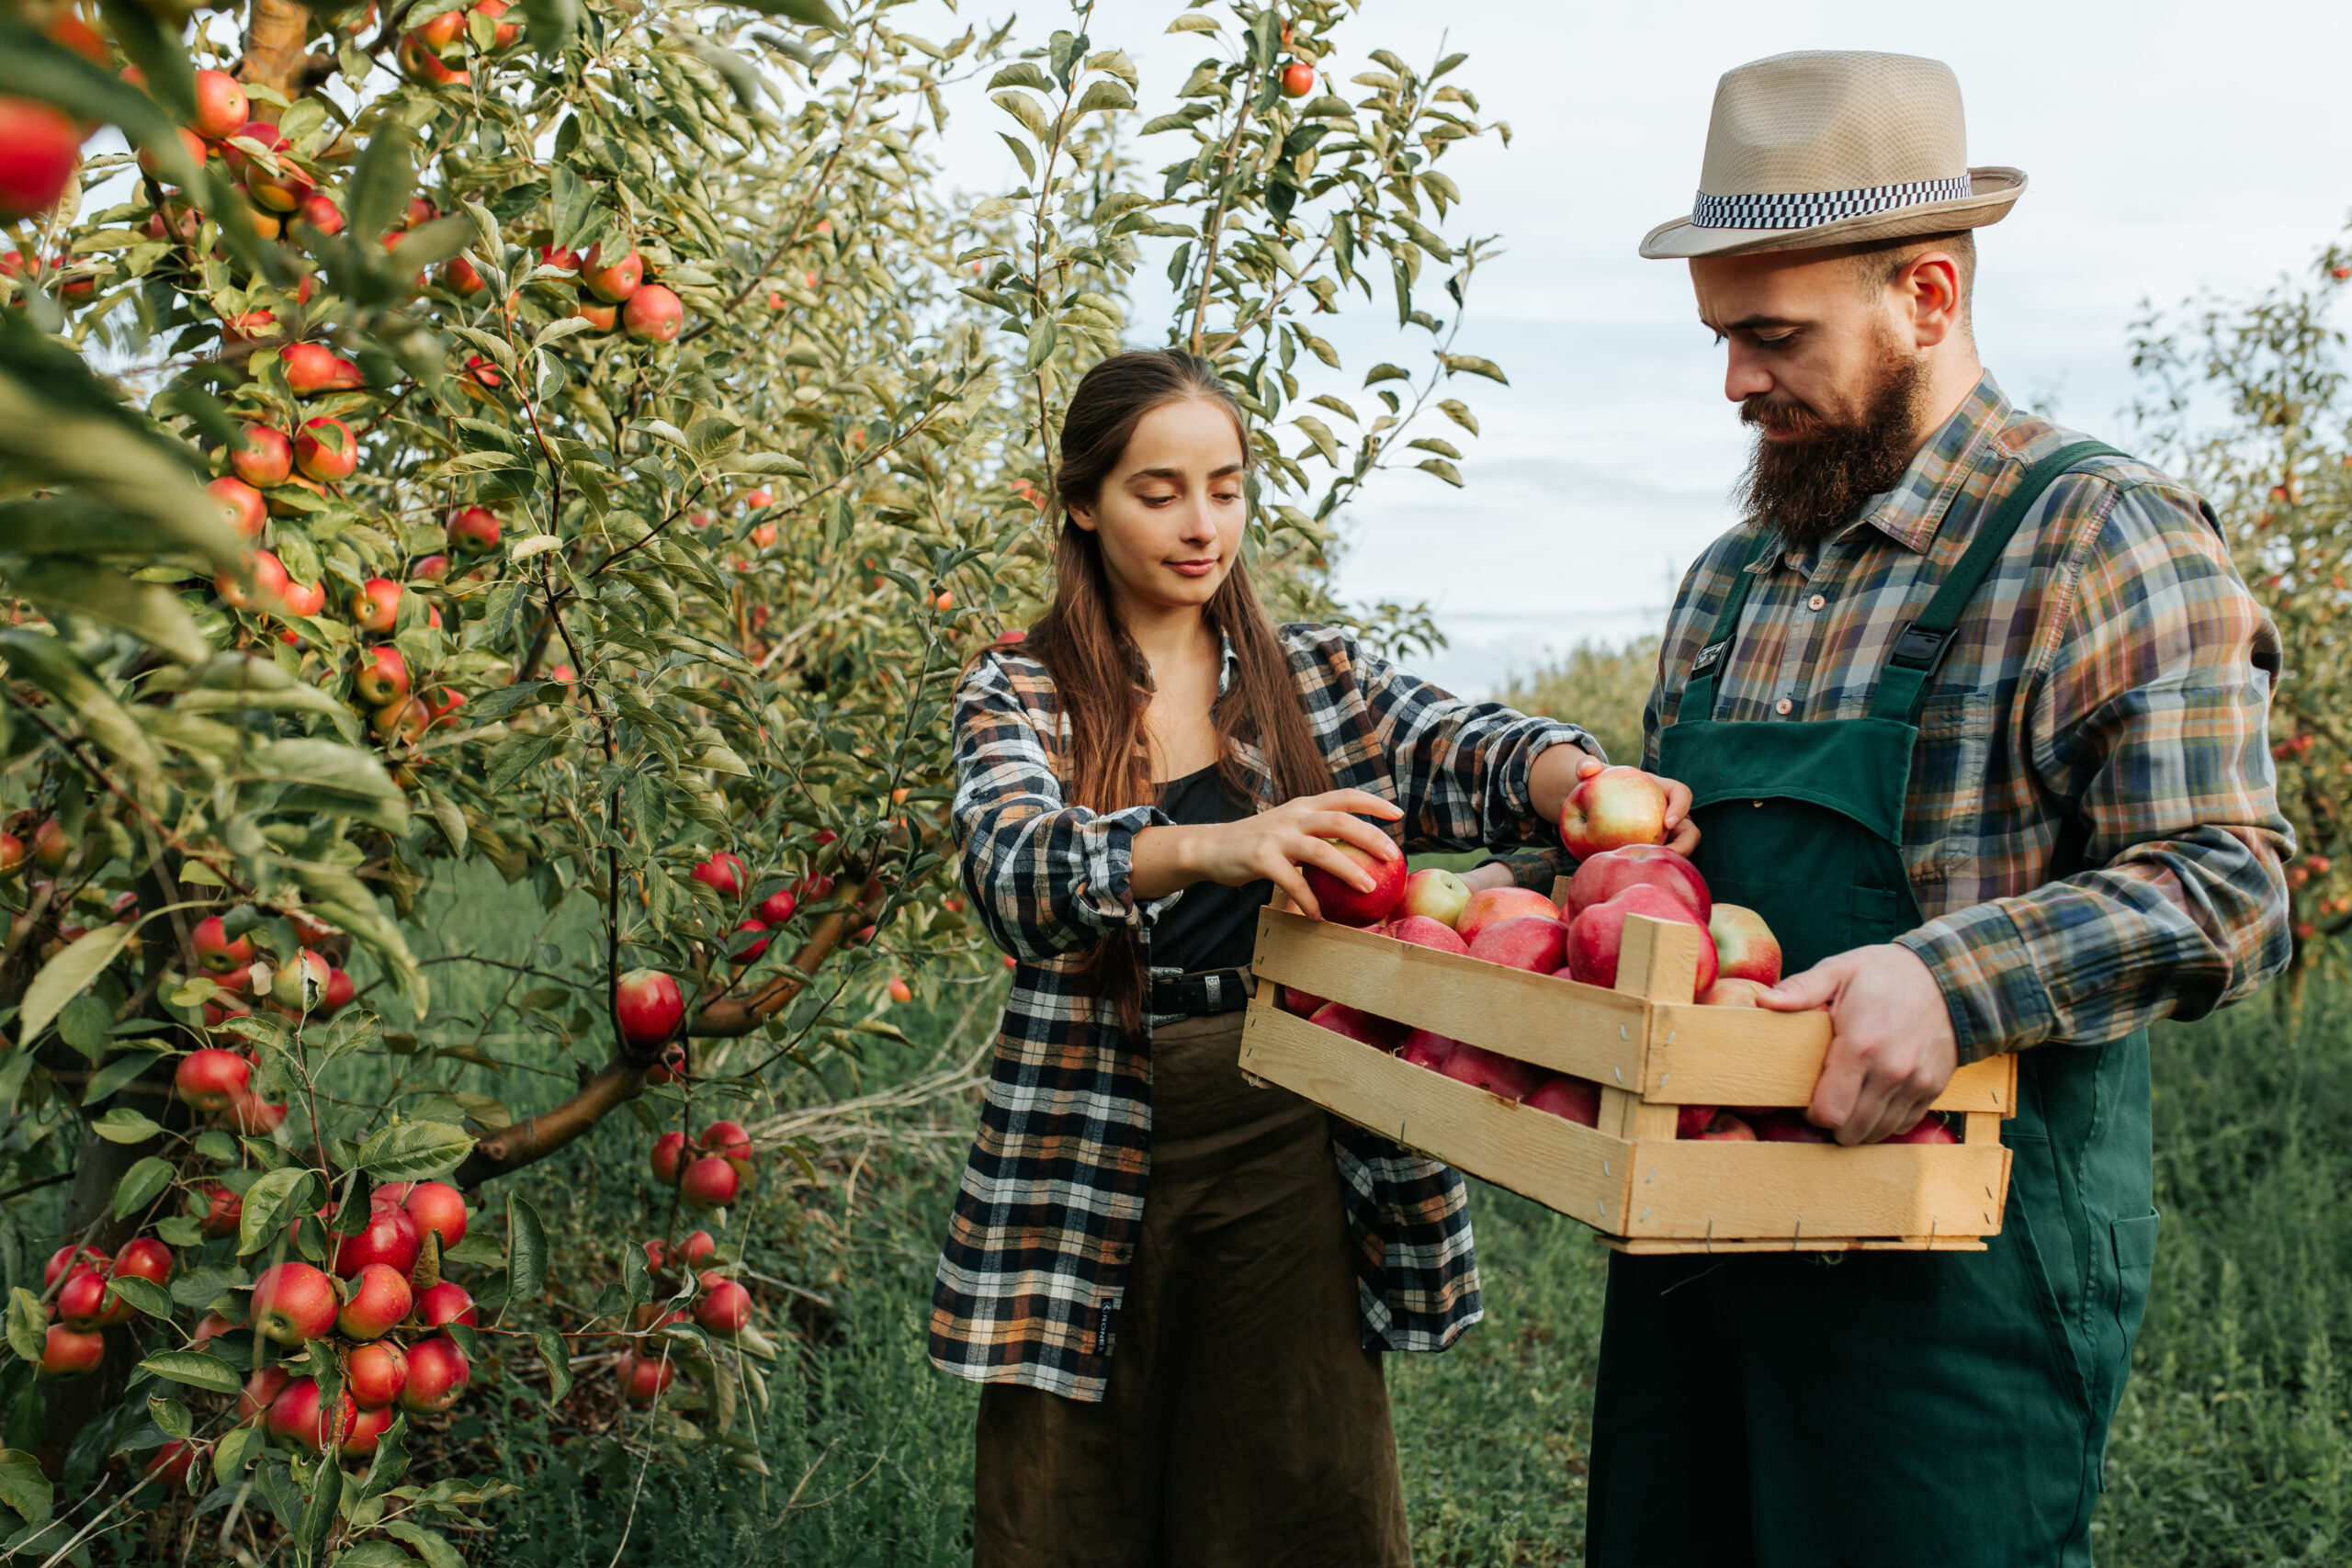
(2173, 148)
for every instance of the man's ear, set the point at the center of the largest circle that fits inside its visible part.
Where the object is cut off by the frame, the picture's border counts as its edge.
(1930, 288)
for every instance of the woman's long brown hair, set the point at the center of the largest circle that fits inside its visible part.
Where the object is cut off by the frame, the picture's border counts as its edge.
(1101, 678)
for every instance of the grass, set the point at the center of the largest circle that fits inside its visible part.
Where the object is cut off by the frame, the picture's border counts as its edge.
(2231, 1449)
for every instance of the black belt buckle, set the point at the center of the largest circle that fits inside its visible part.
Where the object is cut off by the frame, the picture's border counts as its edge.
(1920, 647)
(1202, 996)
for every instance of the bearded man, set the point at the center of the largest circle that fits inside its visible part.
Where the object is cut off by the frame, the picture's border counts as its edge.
(1973, 711)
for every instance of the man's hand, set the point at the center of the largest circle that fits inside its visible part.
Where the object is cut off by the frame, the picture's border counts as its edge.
(1891, 1047)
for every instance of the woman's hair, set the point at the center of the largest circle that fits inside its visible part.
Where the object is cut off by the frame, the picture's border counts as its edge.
(1099, 673)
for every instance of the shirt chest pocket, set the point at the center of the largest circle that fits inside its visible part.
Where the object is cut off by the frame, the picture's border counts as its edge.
(1943, 810)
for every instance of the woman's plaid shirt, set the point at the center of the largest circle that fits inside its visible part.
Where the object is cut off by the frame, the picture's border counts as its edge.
(2106, 694)
(1046, 1220)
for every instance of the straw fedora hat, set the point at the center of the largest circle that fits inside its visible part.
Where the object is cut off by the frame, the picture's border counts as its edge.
(1834, 147)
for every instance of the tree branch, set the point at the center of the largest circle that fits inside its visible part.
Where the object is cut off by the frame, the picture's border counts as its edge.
(274, 53)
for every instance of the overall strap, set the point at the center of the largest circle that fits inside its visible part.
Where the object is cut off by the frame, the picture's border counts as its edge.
(1920, 647)
(1699, 692)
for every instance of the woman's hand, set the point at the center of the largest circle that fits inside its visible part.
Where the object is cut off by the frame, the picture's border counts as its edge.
(1559, 769)
(1272, 846)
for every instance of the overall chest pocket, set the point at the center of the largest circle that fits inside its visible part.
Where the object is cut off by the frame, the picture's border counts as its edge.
(1943, 810)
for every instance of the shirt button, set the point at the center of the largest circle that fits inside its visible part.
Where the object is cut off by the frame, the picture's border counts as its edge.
(1815, 602)
(1784, 706)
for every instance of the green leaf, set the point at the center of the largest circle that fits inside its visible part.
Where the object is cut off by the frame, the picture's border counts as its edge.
(1385, 372)
(86, 1023)
(141, 1184)
(377, 193)
(146, 1295)
(67, 976)
(552, 24)
(526, 1249)
(23, 1487)
(229, 1455)
(559, 1362)
(116, 1072)
(1471, 365)
(430, 1545)
(318, 1507)
(27, 1325)
(816, 13)
(1025, 108)
(1021, 73)
(170, 1416)
(391, 1461)
(148, 611)
(1459, 412)
(264, 1202)
(53, 667)
(195, 1368)
(373, 1554)
(124, 1125)
(413, 1151)
(1105, 93)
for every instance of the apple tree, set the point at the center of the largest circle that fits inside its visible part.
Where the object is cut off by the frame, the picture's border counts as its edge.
(584, 442)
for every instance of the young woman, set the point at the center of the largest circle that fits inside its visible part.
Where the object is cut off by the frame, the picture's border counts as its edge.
(1176, 1286)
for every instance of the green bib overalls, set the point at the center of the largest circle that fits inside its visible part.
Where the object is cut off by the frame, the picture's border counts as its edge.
(1875, 1409)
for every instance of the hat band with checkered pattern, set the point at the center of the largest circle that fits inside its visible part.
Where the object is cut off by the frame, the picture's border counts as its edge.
(1803, 209)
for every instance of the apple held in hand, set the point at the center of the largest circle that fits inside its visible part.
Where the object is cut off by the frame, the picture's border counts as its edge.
(1573, 1098)
(1615, 807)
(1733, 992)
(1596, 936)
(1745, 946)
(1490, 905)
(1610, 873)
(1345, 905)
(1435, 894)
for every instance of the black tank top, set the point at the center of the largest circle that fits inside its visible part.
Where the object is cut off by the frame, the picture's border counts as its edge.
(1208, 927)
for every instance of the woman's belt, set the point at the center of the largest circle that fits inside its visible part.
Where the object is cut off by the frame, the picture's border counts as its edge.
(1197, 996)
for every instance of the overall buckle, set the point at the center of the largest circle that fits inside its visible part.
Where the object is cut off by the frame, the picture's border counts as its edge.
(1921, 647)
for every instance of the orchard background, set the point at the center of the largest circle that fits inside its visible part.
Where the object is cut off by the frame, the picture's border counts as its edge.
(496, 498)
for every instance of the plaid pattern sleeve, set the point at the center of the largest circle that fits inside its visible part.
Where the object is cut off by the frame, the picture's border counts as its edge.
(2091, 825)
(1033, 1275)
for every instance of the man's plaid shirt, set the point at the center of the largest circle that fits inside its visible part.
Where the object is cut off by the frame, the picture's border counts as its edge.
(2112, 675)
(1031, 1276)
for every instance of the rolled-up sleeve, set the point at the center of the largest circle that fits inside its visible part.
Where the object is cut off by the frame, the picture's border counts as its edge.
(1461, 768)
(2149, 721)
(1047, 878)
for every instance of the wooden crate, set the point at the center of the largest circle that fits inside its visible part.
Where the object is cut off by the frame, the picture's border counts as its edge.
(1652, 1050)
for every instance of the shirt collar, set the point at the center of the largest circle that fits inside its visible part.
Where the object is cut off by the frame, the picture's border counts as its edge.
(1912, 512)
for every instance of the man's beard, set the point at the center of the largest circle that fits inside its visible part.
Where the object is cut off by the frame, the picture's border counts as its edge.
(1812, 485)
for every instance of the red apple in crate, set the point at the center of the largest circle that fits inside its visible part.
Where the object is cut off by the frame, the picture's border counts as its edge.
(1789, 1127)
(1932, 1129)
(1357, 1024)
(438, 1374)
(390, 1239)
(1610, 873)
(1435, 894)
(1596, 936)
(376, 1374)
(294, 1303)
(1343, 904)
(1573, 1098)
(1425, 931)
(1614, 808)
(1494, 1073)
(1425, 1048)
(1531, 942)
(1745, 945)
(1490, 905)
(1725, 1128)
(1690, 1121)
(1292, 999)
(1733, 993)
(380, 1298)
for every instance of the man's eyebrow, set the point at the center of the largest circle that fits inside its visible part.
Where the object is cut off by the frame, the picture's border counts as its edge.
(1752, 323)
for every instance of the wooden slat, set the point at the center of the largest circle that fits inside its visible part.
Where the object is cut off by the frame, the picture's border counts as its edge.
(1558, 1025)
(1574, 1169)
(1780, 1190)
(1749, 1056)
(1652, 1245)
(1658, 961)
